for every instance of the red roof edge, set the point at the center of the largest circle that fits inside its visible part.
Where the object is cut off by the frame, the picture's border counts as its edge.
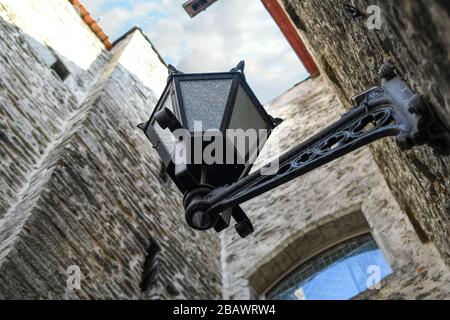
(290, 32)
(92, 24)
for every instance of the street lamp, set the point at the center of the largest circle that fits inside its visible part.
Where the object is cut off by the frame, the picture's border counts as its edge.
(197, 111)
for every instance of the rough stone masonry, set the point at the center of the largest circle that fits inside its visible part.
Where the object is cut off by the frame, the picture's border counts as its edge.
(80, 186)
(415, 36)
(345, 198)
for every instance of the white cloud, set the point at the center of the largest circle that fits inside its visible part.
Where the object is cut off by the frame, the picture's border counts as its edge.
(94, 6)
(215, 40)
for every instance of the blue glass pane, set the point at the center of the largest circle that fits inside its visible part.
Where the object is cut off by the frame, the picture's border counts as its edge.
(339, 273)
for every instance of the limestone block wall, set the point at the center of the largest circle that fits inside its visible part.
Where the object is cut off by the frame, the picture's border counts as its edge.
(340, 200)
(81, 186)
(55, 29)
(414, 36)
(147, 66)
(35, 105)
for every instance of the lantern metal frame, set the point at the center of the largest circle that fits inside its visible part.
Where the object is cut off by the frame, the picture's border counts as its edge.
(176, 119)
(237, 78)
(391, 109)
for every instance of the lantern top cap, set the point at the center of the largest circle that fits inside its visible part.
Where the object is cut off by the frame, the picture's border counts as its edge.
(239, 69)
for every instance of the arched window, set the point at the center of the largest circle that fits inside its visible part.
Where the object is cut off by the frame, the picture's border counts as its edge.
(339, 273)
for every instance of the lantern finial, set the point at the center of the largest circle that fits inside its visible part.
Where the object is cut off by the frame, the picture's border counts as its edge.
(239, 68)
(172, 70)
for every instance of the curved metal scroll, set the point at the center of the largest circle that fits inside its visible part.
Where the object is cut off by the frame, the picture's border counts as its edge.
(349, 134)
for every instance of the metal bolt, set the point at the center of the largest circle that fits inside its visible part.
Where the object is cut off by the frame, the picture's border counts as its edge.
(387, 71)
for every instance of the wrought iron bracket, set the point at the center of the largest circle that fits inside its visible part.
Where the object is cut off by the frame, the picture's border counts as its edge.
(391, 109)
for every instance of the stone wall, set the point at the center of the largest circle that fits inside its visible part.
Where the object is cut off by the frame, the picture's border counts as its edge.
(31, 94)
(54, 29)
(338, 201)
(81, 186)
(414, 35)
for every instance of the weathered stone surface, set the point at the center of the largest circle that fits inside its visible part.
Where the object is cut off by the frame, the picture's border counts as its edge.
(342, 199)
(81, 185)
(415, 36)
(35, 104)
(52, 28)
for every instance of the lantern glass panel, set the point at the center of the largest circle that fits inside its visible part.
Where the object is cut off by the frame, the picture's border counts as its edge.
(246, 117)
(205, 101)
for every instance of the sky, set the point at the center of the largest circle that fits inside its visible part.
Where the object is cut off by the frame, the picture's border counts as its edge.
(215, 40)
